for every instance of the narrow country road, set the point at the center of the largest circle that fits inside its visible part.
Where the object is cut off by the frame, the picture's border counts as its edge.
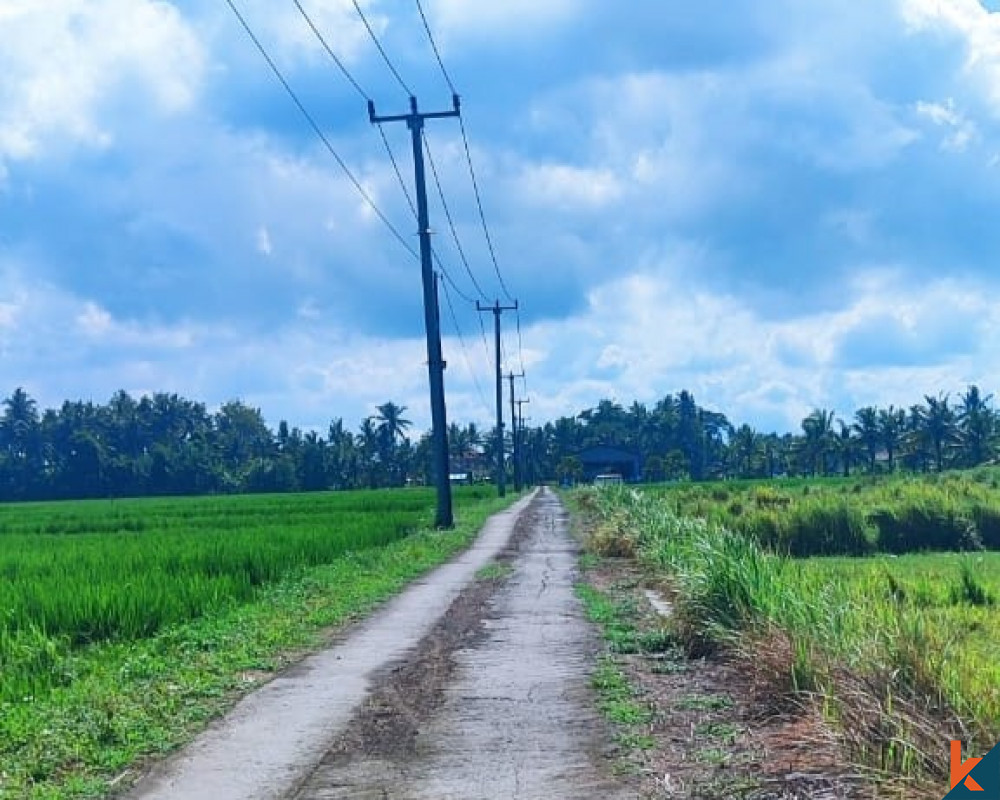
(459, 688)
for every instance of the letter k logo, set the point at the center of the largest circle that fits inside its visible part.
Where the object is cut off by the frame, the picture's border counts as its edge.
(960, 769)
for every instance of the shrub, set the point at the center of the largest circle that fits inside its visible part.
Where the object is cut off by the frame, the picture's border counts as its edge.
(814, 528)
(925, 523)
(969, 590)
(986, 516)
(767, 497)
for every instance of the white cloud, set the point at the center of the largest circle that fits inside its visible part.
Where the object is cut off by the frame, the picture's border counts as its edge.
(291, 39)
(264, 246)
(64, 60)
(485, 20)
(961, 130)
(978, 27)
(568, 187)
(93, 320)
(662, 334)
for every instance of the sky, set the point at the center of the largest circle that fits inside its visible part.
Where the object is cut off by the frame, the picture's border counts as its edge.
(778, 206)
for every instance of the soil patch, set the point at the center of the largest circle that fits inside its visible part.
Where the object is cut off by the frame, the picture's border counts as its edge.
(408, 693)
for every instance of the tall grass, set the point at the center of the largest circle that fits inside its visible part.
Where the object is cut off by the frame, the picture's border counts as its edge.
(901, 649)
(959, 511)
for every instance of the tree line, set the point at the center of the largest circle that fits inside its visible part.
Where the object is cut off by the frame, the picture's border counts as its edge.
(677, 439)
(165, 444)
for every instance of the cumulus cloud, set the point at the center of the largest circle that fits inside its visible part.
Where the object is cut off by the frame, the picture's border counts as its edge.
(960, 130)
(700, 198)
(65, 61)
(978, 29)
(888, 343)
(568, 187)
(520, 18)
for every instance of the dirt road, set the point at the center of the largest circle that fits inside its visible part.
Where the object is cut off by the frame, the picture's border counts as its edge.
(463, 687)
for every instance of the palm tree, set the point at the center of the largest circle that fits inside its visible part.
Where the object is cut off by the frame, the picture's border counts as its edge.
(866, 426)
(977, 424)
(391, 422)
(819, 436)
(846, 446)
(391, 425)
(19, 422)
(936, 424)
(368, 447)
(746, 447)
(891, 427)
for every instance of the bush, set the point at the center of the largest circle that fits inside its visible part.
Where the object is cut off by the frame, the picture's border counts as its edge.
(767, 497)
(986, 516)
(818, 528)
(925, 520)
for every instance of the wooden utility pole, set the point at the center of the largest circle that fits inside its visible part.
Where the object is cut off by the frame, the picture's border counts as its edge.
(432, 316)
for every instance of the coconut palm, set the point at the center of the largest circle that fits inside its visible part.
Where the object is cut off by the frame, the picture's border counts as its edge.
(892, 429)
(391, 426)
(819, 436)
(977, 424)
(935, 424)
(866, 426)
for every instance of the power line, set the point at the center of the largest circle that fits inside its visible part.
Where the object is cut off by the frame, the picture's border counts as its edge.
(319, 132)
(378, 44)
(434, 47)
(520, 349)
(451, 223)
(486, 344)
(329, 50)
(399, 175)
(347, 74)
(479, 205)
(468, 153)
(465, 354)
(451, 280)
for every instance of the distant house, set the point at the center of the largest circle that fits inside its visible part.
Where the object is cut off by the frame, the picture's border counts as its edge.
(472, 465)
(605, 460)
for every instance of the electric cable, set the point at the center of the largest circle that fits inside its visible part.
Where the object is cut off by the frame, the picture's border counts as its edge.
(451, 222)
(319, 132)
(465, 354)
(385, 56)
(329, 50)
(434, 47)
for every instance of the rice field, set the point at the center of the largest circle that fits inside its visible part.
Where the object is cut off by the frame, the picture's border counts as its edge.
(74, 574)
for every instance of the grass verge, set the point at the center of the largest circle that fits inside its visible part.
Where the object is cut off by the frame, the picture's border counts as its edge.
(126, 703)
(618, 700)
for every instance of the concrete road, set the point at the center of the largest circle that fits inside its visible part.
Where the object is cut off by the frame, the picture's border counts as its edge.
(460, 688)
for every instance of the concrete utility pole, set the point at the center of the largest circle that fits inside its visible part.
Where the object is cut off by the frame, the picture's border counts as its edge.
(513, 432)
(497, 310)
(432, 316)
(519, 470)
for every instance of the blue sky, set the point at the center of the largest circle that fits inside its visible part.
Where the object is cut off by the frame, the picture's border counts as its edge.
(778, 206)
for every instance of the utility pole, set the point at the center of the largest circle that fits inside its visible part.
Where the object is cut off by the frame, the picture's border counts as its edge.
(432, 316)
(518, 449)
(513, 433)
(497, 310)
